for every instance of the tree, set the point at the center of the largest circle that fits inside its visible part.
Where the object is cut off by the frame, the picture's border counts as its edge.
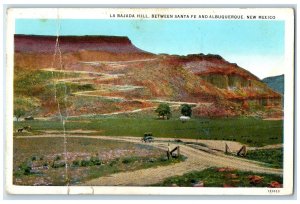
(186, 110)
(163, 110)
(24, 106)
(18, 112)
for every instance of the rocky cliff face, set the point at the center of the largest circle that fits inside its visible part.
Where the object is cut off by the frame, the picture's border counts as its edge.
(46, 44)
(235, 82)
(33, 51)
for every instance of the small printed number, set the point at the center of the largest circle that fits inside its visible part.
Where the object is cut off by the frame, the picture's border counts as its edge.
(273, 191)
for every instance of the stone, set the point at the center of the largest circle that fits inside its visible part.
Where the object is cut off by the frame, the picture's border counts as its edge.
(275, 184)
(254, 179)
(199, 184)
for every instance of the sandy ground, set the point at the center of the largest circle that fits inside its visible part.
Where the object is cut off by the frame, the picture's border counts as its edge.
(71, 131)
(274, 119)
(197, 159)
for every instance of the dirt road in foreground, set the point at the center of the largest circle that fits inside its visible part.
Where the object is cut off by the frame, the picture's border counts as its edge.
(196, 160)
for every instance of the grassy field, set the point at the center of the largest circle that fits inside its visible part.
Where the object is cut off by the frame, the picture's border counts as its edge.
(40, 161)
(222, 177)
(250, 131)
(273, 157)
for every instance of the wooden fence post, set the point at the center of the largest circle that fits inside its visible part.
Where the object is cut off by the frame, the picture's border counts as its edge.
(226, 148)
(242, 151)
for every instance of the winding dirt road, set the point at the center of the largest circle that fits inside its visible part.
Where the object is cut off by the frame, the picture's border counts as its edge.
(106, 76)
(196, 160)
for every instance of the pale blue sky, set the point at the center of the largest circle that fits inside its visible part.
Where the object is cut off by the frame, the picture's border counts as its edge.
(242, 42)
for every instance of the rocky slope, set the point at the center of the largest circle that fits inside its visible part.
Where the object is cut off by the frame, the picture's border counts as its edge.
(194, 78)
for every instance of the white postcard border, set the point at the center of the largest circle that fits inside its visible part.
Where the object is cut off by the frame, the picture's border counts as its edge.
(281, 14)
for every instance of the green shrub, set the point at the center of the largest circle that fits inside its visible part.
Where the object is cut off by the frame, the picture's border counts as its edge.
(25, 168)
(151, 160)
(57, 158)
(86, 87)
(76, 163)
(112, 163)
(85, 163)
(58, 164)
(163, 158)
(95, 161)
(128, 160)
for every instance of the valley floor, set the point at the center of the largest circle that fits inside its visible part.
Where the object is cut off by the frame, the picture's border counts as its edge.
(200, 155)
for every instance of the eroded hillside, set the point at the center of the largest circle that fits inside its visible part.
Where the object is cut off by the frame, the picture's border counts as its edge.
(101, 75)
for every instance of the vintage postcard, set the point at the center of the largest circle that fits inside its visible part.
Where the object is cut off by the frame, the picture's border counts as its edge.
(150, 101)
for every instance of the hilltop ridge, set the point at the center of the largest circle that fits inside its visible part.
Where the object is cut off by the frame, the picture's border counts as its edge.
(45, 44)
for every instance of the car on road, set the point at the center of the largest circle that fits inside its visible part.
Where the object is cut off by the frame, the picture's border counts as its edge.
(148, 137)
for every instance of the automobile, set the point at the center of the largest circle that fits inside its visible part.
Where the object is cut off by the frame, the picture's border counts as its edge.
(29, 118)
(148, 137)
